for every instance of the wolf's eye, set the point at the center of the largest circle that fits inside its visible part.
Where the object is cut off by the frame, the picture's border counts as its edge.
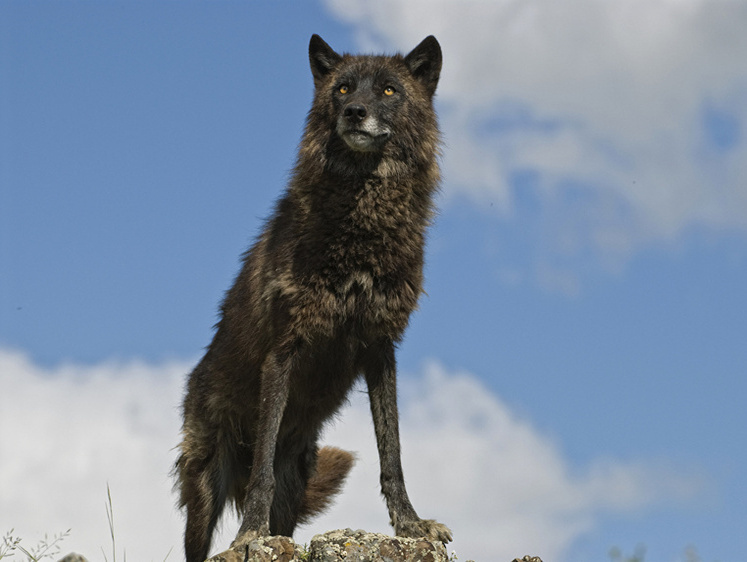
(344, 89)
(389, 91)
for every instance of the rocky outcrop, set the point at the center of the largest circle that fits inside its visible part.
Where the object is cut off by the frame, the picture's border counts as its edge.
(338, 546)
(265, 549)
(343, 545)
(348, 545)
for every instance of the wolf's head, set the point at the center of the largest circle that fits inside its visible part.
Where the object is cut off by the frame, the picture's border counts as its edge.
(377, 104)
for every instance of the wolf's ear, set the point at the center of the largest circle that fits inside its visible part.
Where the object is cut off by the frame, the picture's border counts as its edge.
(322, 58)
(424, 61)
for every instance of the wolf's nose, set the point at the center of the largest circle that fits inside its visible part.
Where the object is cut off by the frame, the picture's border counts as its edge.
(355, 113)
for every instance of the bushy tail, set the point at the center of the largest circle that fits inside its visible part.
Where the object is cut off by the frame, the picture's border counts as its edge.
(332, 467)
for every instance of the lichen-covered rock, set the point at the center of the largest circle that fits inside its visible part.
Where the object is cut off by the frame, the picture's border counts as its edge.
(359, 546)
(265, 549)
(72, 557)
(343, 545)
(227, 556)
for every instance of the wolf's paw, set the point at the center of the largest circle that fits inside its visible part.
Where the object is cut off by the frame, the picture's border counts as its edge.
(228, 556)
(242, 541)
(424, 528)
(252, 544)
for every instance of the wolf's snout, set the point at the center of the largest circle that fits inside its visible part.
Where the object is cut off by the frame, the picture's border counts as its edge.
(355, 113)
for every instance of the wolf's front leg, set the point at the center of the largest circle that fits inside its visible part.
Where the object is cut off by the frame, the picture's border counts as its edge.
(273, 397)
(381, 377)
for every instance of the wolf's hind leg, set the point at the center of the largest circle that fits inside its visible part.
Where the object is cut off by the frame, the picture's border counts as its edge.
(306, 484)
(292, 470)
(326, 480)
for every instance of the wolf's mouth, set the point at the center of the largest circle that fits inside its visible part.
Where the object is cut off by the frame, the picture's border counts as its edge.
(362, 133)
(361, 140)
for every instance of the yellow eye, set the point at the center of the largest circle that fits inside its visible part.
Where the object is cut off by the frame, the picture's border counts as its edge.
(344, 89)
(389, 91)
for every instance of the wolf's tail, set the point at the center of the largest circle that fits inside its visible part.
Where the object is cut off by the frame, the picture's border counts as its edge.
(332, 467)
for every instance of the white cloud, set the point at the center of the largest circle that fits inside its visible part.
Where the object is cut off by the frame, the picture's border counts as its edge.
(68, 431)
(470, 462)
(640, 105)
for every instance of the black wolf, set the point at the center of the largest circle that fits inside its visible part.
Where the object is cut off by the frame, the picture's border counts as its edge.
(323, 297)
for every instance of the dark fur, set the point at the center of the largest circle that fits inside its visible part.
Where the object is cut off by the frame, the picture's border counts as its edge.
(323, 297)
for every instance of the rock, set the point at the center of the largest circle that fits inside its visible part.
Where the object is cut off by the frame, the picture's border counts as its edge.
(337, 546)
(72, 557)
(265, 549)
(227, 556)
(343, 545)
(359, 546)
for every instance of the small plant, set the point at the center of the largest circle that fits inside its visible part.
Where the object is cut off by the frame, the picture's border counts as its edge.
(9, 545)
(691, 554)
(45, 548)
(110, 518)
(639, 555)
(109, 505)
(304, 553)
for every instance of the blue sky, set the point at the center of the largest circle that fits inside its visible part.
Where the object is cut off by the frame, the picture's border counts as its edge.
(586, 275)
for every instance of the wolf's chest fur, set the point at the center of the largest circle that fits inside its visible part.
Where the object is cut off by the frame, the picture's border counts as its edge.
(356, 264)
